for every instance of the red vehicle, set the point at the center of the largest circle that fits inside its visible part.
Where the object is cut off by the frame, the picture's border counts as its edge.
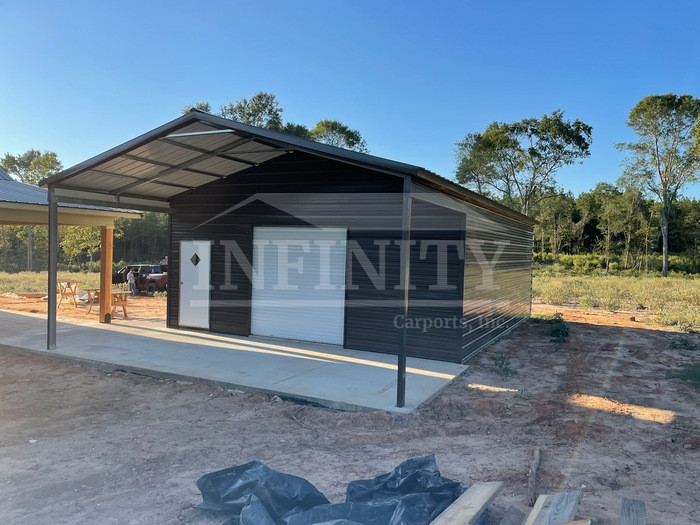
(150, 278)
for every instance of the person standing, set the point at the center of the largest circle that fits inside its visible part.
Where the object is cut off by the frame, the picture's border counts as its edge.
(131, 279)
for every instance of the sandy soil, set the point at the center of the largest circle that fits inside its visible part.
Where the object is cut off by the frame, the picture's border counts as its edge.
(122, 448)
(138, 307)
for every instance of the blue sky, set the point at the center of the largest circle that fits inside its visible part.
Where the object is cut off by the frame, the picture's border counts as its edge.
(412, 77)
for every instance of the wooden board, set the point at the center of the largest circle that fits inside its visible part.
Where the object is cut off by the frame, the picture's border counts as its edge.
(513, 517)
(633, 512)
(532, 477)
(554, 509)
(578, 522)
(469, 506)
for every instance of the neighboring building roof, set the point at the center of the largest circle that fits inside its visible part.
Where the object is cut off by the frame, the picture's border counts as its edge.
(18, 192)
(198, 148)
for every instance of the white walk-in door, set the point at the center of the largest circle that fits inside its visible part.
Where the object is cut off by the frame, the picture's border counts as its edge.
(299, 283)
(195, 269)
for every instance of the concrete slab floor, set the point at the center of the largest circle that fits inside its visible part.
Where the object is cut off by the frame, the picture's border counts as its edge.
(325, 374)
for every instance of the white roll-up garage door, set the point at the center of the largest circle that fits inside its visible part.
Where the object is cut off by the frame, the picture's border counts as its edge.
(299, 283)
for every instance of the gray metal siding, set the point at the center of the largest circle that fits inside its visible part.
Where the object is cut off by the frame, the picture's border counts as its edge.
(497, 278)
(371, 322)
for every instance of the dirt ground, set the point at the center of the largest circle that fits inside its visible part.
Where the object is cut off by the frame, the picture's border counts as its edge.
(81, 446)
(138, 307)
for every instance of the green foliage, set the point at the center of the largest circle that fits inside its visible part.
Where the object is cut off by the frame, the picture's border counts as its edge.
(559, 332)
(263, 110)
(338, 134)
(31, 166)
(502, 364)
(666, 157)
(518, 161)
(201, 106)
(690, 373)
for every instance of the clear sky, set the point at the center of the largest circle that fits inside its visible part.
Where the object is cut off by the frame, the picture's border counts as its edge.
(412, 76)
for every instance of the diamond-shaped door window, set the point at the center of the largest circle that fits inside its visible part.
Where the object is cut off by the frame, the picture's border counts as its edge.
(195, 259)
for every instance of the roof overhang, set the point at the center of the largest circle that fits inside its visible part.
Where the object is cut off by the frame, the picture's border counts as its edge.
(196, 149)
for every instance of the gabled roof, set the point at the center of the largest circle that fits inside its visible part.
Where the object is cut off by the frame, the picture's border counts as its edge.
(198, 148)
(4, 175)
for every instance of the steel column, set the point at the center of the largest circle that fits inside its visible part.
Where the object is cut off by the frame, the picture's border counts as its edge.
(53, 270)
(405, 259)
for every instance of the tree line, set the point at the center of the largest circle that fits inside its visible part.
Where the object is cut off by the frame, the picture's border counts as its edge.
(515, 163)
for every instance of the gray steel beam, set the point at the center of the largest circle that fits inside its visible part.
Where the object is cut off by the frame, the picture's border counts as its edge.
(53, 270)
(405, 287)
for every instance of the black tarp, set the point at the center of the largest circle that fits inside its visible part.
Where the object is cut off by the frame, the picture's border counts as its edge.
(414, 493)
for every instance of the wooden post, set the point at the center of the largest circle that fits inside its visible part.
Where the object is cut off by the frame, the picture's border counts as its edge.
(106, 247)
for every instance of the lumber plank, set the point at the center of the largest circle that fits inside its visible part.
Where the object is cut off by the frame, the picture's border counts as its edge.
(578, 522)
(554, 509)
(633, 512)
(513, 517)
(532, 477)
(469, 506)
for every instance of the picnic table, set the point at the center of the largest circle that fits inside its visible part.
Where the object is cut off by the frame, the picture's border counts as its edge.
(67, 290)
(92, 297)
(119, 298)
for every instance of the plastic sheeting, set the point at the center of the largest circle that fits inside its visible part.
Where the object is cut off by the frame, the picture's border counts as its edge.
(414, 493)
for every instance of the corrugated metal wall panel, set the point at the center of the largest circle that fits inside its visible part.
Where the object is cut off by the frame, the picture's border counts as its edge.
(366, 327)
(497, 278)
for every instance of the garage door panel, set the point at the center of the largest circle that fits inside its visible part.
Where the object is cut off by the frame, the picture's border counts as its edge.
(299, 283)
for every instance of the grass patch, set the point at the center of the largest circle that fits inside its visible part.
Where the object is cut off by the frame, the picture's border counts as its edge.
(690, 373)
(673, 301)
(501, 363)
(24, 282)
(559, 330)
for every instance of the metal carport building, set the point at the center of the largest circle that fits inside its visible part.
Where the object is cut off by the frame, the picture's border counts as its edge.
(369, 253)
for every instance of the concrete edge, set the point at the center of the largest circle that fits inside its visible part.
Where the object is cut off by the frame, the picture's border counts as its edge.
(106, 366)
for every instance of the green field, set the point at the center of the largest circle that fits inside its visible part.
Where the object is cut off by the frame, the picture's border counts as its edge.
(674, 301)
(37, 281)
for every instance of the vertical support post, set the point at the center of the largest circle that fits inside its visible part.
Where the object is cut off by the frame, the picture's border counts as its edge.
(106, 249)
(405, 261)
(169, 252)
(53, 270)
